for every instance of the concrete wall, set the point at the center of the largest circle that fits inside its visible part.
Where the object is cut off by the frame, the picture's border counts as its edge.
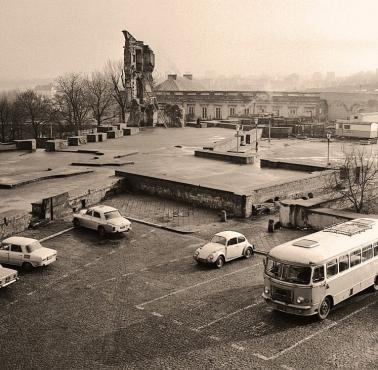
(268, 163)
(185, 191)
(13, 222)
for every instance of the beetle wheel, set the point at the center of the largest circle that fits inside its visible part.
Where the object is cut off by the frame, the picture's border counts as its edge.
(219, 262)
(248, 252)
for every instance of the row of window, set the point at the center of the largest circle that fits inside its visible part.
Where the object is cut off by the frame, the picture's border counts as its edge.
(351, 259)
(246, 111)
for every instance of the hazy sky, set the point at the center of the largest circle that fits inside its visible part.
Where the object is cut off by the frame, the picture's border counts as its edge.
(45, 38)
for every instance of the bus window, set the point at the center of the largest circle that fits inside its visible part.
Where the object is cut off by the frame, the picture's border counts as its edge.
(318, 274)
(355, 258)
(332, 268)
(367, 253)
(343, 263)
(375, 245)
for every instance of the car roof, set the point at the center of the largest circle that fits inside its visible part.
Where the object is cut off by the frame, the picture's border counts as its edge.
(229, 234)
(19, 240)
(103, 208)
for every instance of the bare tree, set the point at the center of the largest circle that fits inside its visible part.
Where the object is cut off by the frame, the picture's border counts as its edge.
(35, 109)
(356, 181)
(117, 78)
(72, 99)
(5, 118)
(100, 97)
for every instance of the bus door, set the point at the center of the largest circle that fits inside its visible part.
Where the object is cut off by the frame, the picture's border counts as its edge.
(319, 285)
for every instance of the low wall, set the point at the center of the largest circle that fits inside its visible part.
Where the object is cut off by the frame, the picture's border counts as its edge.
(77, 140)
(53, 145)
(185, 191)
(29, 144)
(130, 131)
(240, 158)
(277, 132)
(290, 165)
(114, 134)
(13, 222)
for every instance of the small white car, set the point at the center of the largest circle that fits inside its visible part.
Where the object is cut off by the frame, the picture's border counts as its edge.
(223, 247)
(104, 219)
(7, 276)
(25, 252)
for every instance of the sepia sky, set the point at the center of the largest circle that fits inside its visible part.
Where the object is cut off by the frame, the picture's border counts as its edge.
(45, 38)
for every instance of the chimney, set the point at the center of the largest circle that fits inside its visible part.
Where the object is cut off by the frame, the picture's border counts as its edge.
(189, 76)
(172, 77)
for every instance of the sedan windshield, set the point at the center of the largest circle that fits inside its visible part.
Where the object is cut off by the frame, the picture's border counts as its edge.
(288, 273)
(219, 239)
(112, 214)
(33, 247)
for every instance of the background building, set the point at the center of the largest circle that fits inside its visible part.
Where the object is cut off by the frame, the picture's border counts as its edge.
(204, 104)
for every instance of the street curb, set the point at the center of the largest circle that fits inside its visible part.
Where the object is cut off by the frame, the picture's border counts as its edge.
(262, 253)
(56, 234)
(159, 226)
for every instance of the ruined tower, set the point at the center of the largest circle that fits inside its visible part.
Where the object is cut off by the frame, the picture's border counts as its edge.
(139, 63)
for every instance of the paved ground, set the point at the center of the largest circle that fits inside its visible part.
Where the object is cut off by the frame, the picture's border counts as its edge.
(139, 302)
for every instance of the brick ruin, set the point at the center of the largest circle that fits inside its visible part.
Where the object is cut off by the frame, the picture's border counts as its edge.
(139, 63)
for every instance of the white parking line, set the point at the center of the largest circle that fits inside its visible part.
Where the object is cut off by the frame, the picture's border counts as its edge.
(133, 241)
(227, 316)
(31, 293)
(56, 234)
(156, 314)
(111, 252)
(287, 367)
(213, 337)
(288, 349)
(239, 348)
(140, 306)
(128, 274)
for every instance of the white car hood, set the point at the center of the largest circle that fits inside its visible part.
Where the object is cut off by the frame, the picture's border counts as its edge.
(209, 248)
(119, 221)
(4, 272)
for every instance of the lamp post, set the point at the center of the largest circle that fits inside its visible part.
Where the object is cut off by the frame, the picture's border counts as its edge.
(256, 144)
(270, 119)
(328, 140)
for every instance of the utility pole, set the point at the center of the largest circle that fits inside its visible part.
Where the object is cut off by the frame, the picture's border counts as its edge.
(270, 118)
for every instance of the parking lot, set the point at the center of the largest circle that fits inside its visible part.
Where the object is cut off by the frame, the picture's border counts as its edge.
(140, 301)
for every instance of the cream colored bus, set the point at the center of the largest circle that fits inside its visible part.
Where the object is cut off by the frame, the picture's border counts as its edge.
(310, 275)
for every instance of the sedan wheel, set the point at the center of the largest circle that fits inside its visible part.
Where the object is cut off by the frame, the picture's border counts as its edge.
(101, 231)
(219, 262)
(27, 266)
(76, 222)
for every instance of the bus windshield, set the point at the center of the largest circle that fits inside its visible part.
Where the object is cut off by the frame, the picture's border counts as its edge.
(288, 273)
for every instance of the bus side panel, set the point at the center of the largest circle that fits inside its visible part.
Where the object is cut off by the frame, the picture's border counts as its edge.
(340, 286)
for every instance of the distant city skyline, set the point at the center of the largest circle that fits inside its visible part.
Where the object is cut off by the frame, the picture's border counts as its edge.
(41, 39)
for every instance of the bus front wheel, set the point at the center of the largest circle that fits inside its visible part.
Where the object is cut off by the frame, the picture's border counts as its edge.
(324, 308)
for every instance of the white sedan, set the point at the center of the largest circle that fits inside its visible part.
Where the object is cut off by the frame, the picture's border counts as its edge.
(223, 247)
(25, 252)
(7, 276)
(104, 219)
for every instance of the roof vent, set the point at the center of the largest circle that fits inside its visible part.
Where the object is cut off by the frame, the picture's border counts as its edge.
(172, 77)
(189, 76)
(306, 243)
